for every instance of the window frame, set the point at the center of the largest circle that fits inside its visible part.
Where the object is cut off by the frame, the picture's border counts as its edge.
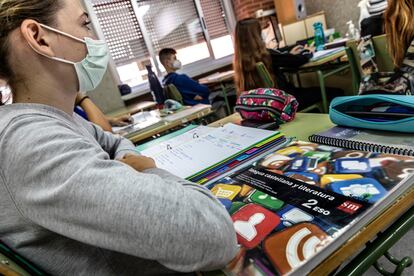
(193, 69)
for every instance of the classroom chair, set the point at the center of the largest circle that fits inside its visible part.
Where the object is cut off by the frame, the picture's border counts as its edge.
(382, 57)
(12, 264)
(171, 92)
(352, 53)
(268, 81)
(265, 75)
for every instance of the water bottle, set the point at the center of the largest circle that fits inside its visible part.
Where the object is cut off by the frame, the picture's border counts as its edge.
(319, 36)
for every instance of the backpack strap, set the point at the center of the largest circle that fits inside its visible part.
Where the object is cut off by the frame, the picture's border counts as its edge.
(408, 62)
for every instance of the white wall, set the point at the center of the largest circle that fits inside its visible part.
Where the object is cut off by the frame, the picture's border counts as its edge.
(338, 12)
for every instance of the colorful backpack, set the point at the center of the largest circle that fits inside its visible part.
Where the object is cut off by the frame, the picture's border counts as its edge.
(400, 82)
(267, 104)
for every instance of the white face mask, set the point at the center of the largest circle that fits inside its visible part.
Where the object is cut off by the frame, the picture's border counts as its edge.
(92, 68)
(264, 36)
(177, 64)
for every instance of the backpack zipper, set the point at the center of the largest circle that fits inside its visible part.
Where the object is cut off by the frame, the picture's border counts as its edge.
(257, 108)
(270, 97)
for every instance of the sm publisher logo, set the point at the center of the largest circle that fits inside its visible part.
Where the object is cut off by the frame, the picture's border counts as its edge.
(349, 207)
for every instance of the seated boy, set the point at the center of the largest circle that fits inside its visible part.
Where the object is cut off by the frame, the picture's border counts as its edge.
(191, 91)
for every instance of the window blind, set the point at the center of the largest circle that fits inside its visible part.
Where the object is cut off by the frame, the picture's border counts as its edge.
(121, 30)
(171, 23)
(215, 18)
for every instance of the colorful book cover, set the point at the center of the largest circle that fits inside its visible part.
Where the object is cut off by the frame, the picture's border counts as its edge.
(293, 204)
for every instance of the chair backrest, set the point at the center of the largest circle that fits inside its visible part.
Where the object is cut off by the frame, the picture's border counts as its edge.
(155, 86)
(171, 92)
(384, 60)
(382, 55)
(12, 263)
(354, 62)
(265, 75)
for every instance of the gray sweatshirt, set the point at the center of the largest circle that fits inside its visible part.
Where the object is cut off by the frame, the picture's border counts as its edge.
(71, 208)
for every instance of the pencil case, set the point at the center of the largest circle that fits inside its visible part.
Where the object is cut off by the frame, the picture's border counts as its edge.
(376, 111)
(267, 105)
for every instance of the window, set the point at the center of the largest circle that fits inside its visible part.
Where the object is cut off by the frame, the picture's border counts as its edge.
(125, 40)
(136, 30)
(215, 20)
(175, 24)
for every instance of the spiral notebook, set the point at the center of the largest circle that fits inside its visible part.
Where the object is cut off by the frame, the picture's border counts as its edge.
(367, 140)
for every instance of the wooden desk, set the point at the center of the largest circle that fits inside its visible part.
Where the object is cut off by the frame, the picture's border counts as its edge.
(302, 127)
(146, 105)
(220, 78)
(10, 268)
(190, 115)
(325, 60)
(323, 68)
(369, 232)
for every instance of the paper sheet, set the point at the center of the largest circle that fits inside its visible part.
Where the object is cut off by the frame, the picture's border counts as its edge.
(186, 159)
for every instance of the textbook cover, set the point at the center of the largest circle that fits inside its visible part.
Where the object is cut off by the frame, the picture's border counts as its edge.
(294, 207)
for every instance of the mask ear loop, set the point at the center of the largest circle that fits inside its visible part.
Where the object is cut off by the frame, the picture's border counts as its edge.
(62, 33)
(54, 58)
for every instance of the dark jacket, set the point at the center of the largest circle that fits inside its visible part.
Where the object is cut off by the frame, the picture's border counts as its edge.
(284, 59)
(373, 26)
(188, 88)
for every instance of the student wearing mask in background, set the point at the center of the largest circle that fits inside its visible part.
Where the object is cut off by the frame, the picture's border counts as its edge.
(192, 92)
(251, 49)
(74, 199)
(87, 109)
(84, 107)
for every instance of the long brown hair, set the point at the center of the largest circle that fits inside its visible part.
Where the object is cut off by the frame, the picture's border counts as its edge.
(12, 14)
(249, 49)
(399, 26)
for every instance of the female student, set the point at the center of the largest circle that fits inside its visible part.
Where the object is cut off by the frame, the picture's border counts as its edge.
(86, 108)
(399, 27)
(251, 49)
(74, 199)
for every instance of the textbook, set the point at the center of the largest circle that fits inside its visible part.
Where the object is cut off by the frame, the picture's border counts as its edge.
(294, 207)
(147, 120)
(142, 120)
(204, 153)
(325, 53)
(369, 140)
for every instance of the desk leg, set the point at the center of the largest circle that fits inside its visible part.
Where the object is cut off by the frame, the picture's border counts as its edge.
(321, 78)
(375, 249)
(226, 100)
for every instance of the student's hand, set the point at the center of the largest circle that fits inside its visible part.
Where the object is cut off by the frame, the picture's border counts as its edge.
(139, 163)
(296, 50)
(311, 48)
(198, 98)
(121, 121)
(236, 265)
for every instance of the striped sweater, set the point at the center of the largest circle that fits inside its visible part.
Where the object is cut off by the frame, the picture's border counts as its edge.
(376, 7)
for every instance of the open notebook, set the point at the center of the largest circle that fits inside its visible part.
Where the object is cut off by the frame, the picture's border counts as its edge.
(325, 53)
(299, 204)
(201, 153)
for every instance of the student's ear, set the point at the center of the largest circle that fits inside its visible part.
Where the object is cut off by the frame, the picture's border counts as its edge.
(37, 37)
